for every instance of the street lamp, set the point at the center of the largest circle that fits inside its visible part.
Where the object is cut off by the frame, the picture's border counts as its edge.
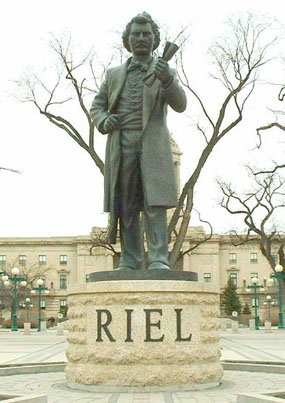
(2, 306)
(39, 289)
(9, 280)
(27, 304)
(255, 287)
(279, 275)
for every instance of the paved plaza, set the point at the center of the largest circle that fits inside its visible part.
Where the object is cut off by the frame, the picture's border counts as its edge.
(47, 347)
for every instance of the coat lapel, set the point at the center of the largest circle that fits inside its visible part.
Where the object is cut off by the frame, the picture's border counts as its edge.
(118, 80)
(149, 95)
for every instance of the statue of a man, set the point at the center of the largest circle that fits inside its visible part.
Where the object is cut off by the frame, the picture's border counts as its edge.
(139, 170)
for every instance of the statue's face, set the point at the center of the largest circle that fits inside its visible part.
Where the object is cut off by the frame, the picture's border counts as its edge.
(141, 39)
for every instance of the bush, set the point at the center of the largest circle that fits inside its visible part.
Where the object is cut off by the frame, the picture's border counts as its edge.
(246, 309)
(51, 321)
(230, 299)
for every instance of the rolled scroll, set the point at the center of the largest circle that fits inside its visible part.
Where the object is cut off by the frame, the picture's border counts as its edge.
(169, 51)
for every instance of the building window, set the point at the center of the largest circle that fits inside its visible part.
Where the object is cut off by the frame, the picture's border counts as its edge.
(62, 303)
(63, 259)
(252, 275)
(232, 258)
(63, 281)
(253, 257)
(43, 304)
(275, 281)
(22, 260)
(207, 277)
(63, 307)
(42, 260)
(253, 303)
(87, 279)
(2, 260)
(233, 277)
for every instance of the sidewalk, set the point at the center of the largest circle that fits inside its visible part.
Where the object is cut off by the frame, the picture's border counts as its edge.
(252, 345)
(48, 347)
(17, 348)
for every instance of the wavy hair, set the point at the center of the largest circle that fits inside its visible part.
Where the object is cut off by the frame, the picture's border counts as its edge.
(142, 18)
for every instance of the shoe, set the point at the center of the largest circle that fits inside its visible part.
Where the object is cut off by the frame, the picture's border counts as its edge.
(158, 266)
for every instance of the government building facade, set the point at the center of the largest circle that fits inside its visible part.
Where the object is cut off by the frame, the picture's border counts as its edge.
(62, 261)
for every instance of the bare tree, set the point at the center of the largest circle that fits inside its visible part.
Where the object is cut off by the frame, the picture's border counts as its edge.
(258, 207)
(99, 240)
(238, 59)
(195, 240)
(281, 97)
(50, 99)
(261, 129)
(10, 170)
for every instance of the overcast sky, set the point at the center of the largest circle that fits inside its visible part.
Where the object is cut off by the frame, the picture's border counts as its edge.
(59, 191)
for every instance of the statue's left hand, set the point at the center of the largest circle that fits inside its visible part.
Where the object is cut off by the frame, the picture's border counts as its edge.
(162, 70)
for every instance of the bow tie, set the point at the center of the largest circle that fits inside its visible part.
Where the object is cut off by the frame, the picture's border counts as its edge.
(137, 65)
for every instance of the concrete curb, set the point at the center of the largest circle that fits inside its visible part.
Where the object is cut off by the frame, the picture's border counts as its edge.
(23, 398)
(266, 397)
(255, 366)
(31, 368)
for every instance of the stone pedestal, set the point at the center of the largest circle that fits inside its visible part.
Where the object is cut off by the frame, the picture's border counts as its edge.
(141, 335)
(223, 323)
(251, 324)
(267, 326)
(60, 329)
(27, 329)
(235, 326)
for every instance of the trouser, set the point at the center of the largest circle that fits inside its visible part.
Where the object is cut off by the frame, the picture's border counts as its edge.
(131, 200)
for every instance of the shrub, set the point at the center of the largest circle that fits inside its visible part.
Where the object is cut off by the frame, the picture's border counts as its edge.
(230, 299)
(246, 309)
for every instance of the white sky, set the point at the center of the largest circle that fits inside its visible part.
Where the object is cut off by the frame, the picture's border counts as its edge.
(60, 190)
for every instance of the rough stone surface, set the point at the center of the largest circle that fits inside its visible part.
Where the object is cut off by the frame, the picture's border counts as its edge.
(140, 363)
(54, 385)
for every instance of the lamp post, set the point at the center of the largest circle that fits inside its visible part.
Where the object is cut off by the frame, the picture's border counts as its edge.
(279, 275)
(14, 280)
(269, 301)
(255, 287)
(1, 308)
(39, 289)
(27, 304)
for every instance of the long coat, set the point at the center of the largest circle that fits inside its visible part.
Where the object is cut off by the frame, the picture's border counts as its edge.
(157, 166)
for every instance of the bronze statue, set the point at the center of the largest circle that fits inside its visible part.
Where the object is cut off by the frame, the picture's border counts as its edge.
(139, 169)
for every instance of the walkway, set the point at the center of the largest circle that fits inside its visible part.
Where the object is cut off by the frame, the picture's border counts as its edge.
(48, 347)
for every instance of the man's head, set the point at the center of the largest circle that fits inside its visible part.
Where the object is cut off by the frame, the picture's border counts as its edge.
(141, 34)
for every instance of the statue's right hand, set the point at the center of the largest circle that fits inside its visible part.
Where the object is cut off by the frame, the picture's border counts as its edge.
(111, 123)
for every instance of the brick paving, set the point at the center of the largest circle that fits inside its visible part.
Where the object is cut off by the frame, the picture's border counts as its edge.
(54, 385)
(47, 347)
